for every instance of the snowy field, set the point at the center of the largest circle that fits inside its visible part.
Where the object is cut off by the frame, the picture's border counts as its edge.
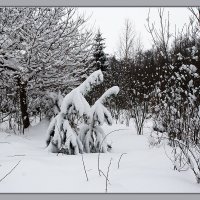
(142, 169)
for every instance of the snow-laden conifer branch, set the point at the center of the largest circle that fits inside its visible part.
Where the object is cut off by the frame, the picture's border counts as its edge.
(92, 135)
(73, 106)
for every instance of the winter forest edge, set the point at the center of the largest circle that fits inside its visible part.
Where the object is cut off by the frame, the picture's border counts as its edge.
(95, 122)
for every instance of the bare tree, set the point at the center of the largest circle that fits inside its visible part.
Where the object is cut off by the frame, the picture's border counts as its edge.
(196, 13)
(161, 35)
(127, 41)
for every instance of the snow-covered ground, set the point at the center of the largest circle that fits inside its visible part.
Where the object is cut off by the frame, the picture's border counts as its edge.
(142, 169)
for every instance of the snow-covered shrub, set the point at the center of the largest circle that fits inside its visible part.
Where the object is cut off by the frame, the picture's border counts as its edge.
(52, 104)
(154, 139)
(157, 126)
(62, 131)
(92, 135)
(177, 114)
(178, 109)
(47, 106)
(57, 99)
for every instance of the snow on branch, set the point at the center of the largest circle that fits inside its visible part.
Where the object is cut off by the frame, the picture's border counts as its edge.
(92, 135)
(75, 99)
(99, 111)
(94, 79)
(113, 91)
(61, 133)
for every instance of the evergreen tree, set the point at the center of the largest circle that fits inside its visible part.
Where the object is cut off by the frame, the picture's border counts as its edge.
(99, 56)
(99, 61)
(92, 136)
(62, 132)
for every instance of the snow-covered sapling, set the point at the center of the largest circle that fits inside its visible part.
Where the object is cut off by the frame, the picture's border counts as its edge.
(62, 131)
(52, 104)
(92, 135)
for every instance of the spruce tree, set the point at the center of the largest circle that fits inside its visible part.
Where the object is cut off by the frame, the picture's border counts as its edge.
(98, 61)
(99, 56)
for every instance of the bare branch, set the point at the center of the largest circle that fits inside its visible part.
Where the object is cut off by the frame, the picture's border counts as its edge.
(10, 171)
(101, 147)
(108, 175)
(84, 167)
(120, 159)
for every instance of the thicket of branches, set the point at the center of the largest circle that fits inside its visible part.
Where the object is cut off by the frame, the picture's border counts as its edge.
(164, 82)
(42, 50)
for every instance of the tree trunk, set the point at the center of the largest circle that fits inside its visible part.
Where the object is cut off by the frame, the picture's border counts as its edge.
(23, 102)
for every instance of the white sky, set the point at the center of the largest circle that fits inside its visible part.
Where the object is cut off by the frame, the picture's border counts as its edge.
(110, 20)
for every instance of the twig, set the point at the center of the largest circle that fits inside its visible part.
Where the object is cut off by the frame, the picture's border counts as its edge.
(101, 146)
(107, 175)
(84, 168)
(120, 159)
(17, 155)
(10, 171)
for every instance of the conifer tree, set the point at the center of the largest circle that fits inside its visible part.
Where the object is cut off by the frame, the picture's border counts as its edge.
(99, 56)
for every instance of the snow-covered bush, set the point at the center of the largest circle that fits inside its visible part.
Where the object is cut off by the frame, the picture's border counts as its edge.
(177, 114)
(178, 109)
(47, 106)
(92, 135)
(176, 95)
(51, 104)
(62, 131)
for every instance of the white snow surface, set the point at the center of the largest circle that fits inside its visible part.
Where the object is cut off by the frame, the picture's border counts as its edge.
(142, 169)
